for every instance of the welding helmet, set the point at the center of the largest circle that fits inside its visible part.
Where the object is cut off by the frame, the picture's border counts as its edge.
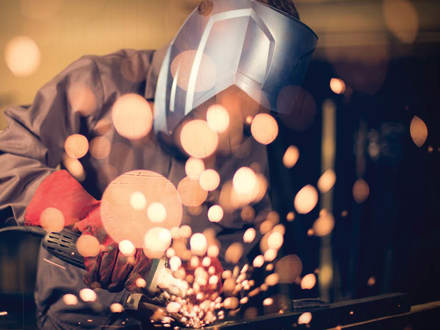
(230, 42)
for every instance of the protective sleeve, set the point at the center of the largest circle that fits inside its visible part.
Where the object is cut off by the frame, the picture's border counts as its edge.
(32, 145)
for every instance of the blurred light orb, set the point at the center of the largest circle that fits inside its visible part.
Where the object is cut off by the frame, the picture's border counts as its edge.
(127, 248)
(209, 180)
(173, 307)
(213, 251)
(231, 303)
(87, 245)
(264, 128)
(308, 281)
(132, 116)
(157, 212)
(234, 252)
(22, 56)
(141, 283)
(194, 167)
(198, 244)
(70, 299)
(401, 19)
(290, 157)
(306, 199)
(100, 147)
(218, 118)
(326, 181)
(197, 139)
(76, 146)
(272, 279)
(116, 308)
(324, 224)
(290, 216)
(191, 193)
(361, 191)
(289, 268)
(156, 241)
(74, 167)
(305, 318)
(87, 295)
(270, 255)
(124, 222)
(244, 180)
(182, 69)
(275, 240)
(175, 262)
(185, 231)
(52, 219)
(138, 200)
(215, 213)
(418, 131)
(268, 301)
(249, 235)
(337, 85)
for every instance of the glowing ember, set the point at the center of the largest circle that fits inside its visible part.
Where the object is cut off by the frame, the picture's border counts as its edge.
(234, 252)
(308, 281)
(264, 128)
(327, 180)
(275, 240)
(418, 131)
(198, 243)
(138, 200)
(127, 248)
(156, 241)
(100, 147)
(70, 299)
(361, 190)
(141, 283)
(249, 235)
(116, 308)
(76, 146)
(52, 219)
(215, 213)
(288, 268)
(306, 199)
(194, 167)
(132, 116)
(324, 224)
(87, 295)
(268, 301)
(244, 180)
(209, 180)
(305, 318)
(217, 118)
(258, 261)
(191, 192)
(157, 212)
(291, 156)
(272, 279)
(197, 139)
(22, 56)
(337, 85)
(87, 245)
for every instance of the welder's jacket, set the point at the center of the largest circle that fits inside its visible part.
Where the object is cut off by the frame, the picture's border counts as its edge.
(32, 147)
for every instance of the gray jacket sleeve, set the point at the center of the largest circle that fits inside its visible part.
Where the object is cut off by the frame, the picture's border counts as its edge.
(32, 145)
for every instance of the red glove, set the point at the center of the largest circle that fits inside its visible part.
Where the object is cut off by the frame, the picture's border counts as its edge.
(110, 269)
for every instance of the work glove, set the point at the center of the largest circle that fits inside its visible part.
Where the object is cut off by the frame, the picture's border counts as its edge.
(109, 269)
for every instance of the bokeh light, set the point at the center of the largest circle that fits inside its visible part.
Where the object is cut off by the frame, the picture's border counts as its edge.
(270, 255)
(138, 200)
(194, 167)
(141, 283)
(308, 281)
(198, 244)
(231, 303)
(401, 19)
(127, 248)
(122, 221)
(337, 85)
(361, 190)
(87, 245)
(215, 213)
(87, 295)
(209, 179)
(52, 219)
(76, 146)
(324, 224)
(418, 131)
(70, 299)
(182, 69)
(100, 147)
(264, 128)
(306, 199)
(326, 181)
(175, 262)
(218, 118)
(116, 308)
(244, 180)
(234, 252)
(291, 156)
(290, 216)
(268, 301)
(191, 192)
(305, 318)
(156, 241)
(272, 279)
(132, 116)
(156, 212)
(173, 307)
(22, 56)
(275, 240)
(74, 167)
(289, 268)
(197, 139)
(249, 235)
